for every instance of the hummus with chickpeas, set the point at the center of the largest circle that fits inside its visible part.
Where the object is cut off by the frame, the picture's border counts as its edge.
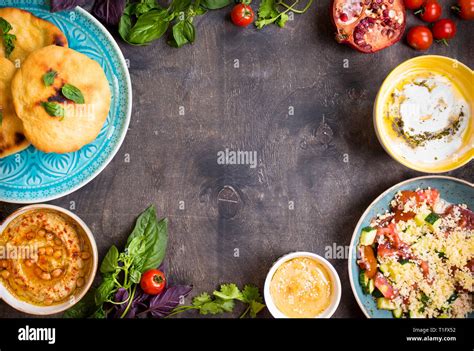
(58, 261)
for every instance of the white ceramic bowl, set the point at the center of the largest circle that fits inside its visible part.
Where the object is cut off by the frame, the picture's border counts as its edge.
(336, 295)
(47, 310)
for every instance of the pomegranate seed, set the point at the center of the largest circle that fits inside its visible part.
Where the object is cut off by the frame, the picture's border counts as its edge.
(343, 17)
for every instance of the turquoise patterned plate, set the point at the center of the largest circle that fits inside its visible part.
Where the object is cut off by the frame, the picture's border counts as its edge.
(33, 176)
(453, 190)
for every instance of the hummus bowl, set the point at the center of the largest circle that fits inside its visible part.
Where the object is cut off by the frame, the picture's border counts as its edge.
(302, 285)
(48, 259)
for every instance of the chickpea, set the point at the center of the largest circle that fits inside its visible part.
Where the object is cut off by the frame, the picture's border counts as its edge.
(48, 301)
(85, 255)
(80, 282)
(38, 271)
(45, 276)
(80, 263)
(4, 264)
(58, 242)
(30, 235)
(5, 274)
(41, 232)
(57, 254)
(81, 273)
(41, 251)
(49, 251)
(56, 273)
(49, 236)
(29, 263)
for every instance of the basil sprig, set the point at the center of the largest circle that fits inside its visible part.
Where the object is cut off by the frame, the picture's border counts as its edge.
(8, 39)
(72, 93)
(145, 21)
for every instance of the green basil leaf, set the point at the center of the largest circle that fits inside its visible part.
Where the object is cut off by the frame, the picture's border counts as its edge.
(125, 24)
(48, 77)
(5, 26)
(135, 276)
(72, 93)
(189, 31)
(8, 39)
(105, 290)
(110, 261)
(53, 109)
(149, 26)
(179, 5)
(136, 250)
(215, 4)
(144, 6)
(155, 238)
(179, 37)
(83, 308)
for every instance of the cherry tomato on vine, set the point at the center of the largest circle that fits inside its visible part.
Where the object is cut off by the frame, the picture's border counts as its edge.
(465, 9)
(242, 15)
(420, 38)
(153, 282)
(444, 29)
(430, 11)
(414, 4)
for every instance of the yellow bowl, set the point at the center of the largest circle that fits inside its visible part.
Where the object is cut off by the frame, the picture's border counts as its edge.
(463, 79)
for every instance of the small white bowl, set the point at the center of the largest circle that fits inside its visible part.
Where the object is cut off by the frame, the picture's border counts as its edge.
(336, 282)
(25, 307)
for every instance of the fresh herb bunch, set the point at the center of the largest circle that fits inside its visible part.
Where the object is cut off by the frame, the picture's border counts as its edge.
(277, 11)
(223, 300)
(119, 294)
(145, 21)
(140, 22)
(8, 38)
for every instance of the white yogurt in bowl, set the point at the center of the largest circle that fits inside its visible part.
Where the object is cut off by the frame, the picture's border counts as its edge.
(429, 118)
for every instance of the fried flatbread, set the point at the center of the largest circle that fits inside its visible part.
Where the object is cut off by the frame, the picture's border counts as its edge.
(12, 137)
(80, 123)
(32, 33)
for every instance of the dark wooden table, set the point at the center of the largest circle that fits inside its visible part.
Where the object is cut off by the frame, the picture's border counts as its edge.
(324, 158)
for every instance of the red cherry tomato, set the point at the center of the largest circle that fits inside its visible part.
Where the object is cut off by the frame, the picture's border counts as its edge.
(420, 38)
(242, 15)
(414, 4)
(430, 11)
(465, 9)
(153, 282)
(444, 29)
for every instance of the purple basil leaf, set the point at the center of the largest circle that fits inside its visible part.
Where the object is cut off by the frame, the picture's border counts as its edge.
(63, 5)
(109, 11)
(163, 304)
(120, 296)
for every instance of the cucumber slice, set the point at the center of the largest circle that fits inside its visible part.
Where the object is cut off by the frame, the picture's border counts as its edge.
(385, 304)
(432, 218)
(364, 282)
(371, 286)
(397, 313)
(367, 237)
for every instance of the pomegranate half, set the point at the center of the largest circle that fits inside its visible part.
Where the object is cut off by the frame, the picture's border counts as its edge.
(369, 25)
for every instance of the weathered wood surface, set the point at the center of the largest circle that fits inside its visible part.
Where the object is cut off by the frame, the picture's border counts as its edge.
(301, 157)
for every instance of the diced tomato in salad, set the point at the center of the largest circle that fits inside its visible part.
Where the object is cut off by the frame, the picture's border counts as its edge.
(385, 287)
(431, 196)
(466, 216)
